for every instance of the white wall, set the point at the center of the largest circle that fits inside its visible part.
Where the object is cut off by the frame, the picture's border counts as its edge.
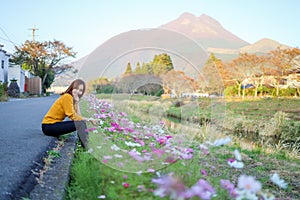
(16, 72)
(4, 58)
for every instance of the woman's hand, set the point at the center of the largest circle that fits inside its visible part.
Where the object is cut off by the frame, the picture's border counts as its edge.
(75, 95)
(92, 120)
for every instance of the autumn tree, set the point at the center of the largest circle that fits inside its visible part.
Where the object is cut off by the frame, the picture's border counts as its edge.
(145, 83)
(43, 59)
(282, 61)
(246, 70)
(177, 82)
(212, 74)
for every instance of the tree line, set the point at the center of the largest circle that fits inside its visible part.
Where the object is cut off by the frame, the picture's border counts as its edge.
(275, 73)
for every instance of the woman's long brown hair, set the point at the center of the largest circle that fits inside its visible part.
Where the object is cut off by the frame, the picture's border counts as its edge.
(75, 85)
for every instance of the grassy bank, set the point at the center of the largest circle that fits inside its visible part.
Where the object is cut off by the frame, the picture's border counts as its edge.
(95, 174)
(91, 178)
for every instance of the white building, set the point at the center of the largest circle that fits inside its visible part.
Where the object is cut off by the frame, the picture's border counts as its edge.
(15, 72)
(4, 59)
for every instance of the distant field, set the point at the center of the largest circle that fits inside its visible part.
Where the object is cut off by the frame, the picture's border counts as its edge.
(260, 108)
(265, 108)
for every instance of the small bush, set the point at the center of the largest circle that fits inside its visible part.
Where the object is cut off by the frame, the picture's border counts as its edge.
(3, 91)
(105, 88)
(231, 91)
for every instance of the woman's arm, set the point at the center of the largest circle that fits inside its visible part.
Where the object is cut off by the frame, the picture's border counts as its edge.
(77, 108)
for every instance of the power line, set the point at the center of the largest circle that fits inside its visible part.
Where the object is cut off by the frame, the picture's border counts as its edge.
(8, 39)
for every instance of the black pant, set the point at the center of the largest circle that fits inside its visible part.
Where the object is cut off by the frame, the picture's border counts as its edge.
(61, 128)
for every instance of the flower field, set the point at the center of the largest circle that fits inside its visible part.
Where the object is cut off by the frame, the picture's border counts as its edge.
(131, 158)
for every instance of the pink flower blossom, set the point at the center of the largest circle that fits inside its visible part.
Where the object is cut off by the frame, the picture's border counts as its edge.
(249, 183)
(204, 149)
(158, 152)
(227, 185)
(203, 172)
(151, 170)
(126, 185)
(201, 189)
(136, 156)
(91, 129)
(169, 185)
(102, 116)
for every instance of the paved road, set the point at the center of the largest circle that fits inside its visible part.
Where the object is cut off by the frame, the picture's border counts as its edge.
(22, 143)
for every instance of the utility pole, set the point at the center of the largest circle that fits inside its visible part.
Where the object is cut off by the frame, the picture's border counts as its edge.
(33, 32)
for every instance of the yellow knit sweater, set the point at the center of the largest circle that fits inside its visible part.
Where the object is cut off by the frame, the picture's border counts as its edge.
(63, 107)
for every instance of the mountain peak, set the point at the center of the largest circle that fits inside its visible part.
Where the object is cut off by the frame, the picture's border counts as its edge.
(263, 46)
(205, 29)
(187, 15)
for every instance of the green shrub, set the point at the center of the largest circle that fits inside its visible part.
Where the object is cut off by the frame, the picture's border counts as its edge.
(3, 91)
(231, 91)
(263, 90)
(287, 92)
(105, 88)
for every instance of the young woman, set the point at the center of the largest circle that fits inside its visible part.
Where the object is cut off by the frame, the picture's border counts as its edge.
(66, 105)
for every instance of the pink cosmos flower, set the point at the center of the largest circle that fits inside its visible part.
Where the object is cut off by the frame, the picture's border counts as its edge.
(151, 170)
(161, 140)
(227, 185)
(91, 129)
(112, 129)
(201, 189)
(169, 185)
(105, 161)
(102, 116)
(204, 149)
(249, 183)
(123, 114)
(203, 172)
(158, 152)
(136, 156)
(126, 185)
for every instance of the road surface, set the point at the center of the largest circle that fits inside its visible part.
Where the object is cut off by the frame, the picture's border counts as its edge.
(22, 144)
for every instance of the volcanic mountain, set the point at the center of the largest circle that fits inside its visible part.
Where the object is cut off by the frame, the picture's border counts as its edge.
(188, 40)
(205, 30)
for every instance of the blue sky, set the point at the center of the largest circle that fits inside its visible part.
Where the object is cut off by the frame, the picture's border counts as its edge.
(84, 25)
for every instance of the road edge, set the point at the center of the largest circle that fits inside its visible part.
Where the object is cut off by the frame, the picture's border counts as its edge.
(55, 180)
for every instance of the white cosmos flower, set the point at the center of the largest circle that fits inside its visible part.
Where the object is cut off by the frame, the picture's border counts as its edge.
(222, 141)
(132, 144)
(236, 164)
(279, 182)
(237, 155)
(90, 150)
(115, 147)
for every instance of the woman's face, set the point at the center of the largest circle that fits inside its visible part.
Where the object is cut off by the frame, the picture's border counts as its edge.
(78, 91)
